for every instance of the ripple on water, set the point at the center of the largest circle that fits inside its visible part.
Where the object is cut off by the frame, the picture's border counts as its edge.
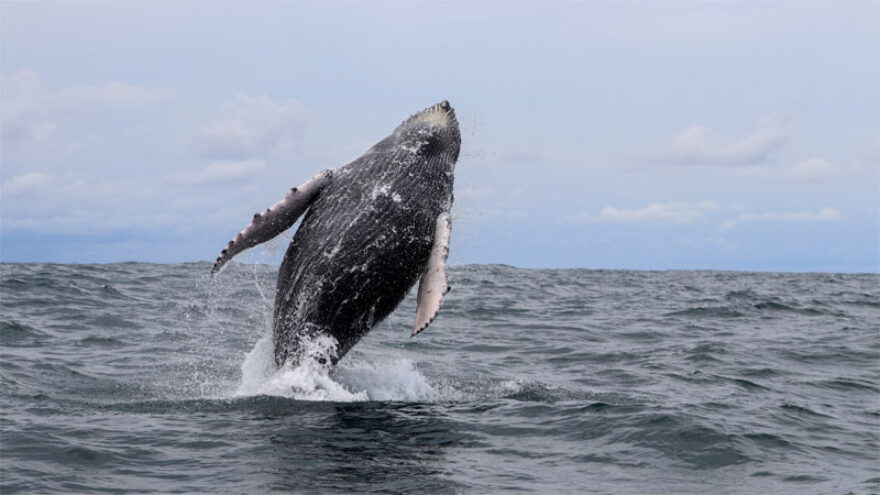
(158, 378)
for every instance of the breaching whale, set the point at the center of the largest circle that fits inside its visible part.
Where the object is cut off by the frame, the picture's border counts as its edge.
(373, 227)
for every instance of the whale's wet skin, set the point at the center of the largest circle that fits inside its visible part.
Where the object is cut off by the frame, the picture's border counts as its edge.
(373, 228)
(154, 379)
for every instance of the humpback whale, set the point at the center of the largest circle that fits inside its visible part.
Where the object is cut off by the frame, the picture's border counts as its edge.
(371, 229)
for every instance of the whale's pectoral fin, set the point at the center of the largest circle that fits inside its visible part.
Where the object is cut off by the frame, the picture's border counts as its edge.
(275, 219)
(434, 285)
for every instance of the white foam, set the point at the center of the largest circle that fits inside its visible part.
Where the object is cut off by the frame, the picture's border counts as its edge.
(395, 379)
(258, 366)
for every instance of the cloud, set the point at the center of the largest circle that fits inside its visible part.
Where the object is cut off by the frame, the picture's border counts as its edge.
(26, 112)
(219, 172)
(20, 184)
(40, 192)
(251, 126)
(114, 94)
(696, 145)
(812, 169)
(823, 215)
(30, 113)
(49, 203)
(65, 204)
(672, 212)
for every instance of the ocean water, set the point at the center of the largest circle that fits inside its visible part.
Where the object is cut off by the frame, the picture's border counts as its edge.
(151, 378)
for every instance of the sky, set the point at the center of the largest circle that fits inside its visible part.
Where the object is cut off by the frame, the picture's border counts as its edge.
(620, 135)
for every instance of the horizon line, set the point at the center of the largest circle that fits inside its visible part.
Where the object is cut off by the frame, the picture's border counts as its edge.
(806, 271)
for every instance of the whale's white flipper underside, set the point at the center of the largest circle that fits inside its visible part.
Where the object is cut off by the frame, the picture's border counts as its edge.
(434, 285)
(275, 219)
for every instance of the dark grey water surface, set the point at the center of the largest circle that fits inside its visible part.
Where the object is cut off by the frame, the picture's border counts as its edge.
(152, 378)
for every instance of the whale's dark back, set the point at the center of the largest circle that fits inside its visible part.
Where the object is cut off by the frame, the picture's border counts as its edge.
(360, 248)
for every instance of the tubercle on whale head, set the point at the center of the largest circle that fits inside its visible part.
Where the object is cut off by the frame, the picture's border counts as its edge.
(433, 130)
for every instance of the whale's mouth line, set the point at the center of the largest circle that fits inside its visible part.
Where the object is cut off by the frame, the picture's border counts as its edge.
(443, 105)
(441, 114)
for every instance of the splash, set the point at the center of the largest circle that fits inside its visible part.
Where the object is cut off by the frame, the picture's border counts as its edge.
(353, 380)
(391, 380)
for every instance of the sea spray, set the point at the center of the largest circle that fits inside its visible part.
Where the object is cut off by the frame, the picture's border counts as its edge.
(394, 379)
(391, 379)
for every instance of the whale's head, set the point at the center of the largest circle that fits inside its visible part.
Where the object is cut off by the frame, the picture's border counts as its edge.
(432, 133)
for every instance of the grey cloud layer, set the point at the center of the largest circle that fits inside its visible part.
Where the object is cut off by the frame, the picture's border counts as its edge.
(253, 126)
(31, 114)
(48, 191)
